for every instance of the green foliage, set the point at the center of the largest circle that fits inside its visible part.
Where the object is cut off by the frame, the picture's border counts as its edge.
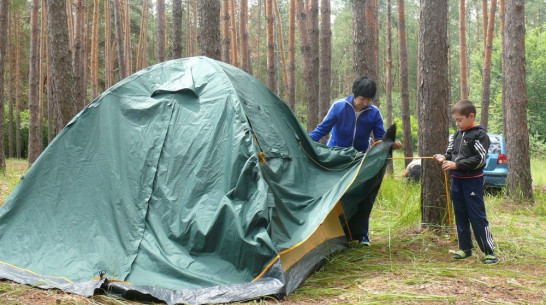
(400, 131)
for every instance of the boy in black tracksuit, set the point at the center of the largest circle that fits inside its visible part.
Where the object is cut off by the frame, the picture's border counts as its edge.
(465, 158)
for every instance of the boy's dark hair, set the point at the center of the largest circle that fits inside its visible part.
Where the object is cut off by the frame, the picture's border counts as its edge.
(365, 87)
(464, 107)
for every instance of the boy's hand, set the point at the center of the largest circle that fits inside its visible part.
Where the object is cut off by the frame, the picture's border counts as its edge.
(439, 158)
(397, 145)
(447, 165)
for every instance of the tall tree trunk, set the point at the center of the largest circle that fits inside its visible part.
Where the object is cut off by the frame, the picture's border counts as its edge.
(17, 58)
(281, 42)
(142, 53)
(404, 81)
(325, 75)
(234, 53)
(4, 5)
(373, 30)
(189, 30)
(433, 96)
(43, 70)
(388, 68)
(311, 65)
(127, 39)
(485, 23)
(515, 98)
(291, 89)
(11, 80)
(209, 16)
(80, 91)
(95, 51)
(51, 115)
(161, 25)
(70, 24)
(119, 40)
(359, 38)
(226, 41)
(243, 34)
(61, 70)
(259, 38)
(486, 73)
(34, 131)
(463, 66)
(194, 36)
(108, 69)
(388, 76)
(271, 68)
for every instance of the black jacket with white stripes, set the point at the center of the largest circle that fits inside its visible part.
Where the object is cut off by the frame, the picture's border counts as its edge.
(468, 149)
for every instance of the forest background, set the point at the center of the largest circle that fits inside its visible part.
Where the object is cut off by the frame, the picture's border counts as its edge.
(143, 29)
(108, 40)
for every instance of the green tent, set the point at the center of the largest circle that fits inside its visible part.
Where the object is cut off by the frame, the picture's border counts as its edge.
(187, 182)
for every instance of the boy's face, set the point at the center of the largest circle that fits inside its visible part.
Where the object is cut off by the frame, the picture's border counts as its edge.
(361, 102)
(463, 122)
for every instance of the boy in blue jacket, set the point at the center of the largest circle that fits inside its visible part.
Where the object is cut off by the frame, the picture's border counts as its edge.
(351, 120)
(465, 158)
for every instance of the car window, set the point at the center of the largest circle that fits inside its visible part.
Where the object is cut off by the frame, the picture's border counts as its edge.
(494, 148)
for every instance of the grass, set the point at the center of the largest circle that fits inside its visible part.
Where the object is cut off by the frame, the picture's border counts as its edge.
(404, 264)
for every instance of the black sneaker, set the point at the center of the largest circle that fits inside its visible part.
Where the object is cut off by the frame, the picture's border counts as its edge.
(462, 254)
(490, 259)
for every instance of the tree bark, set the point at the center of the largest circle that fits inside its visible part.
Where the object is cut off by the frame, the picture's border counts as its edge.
(34, 131)
(161, 25)
(463, 65)
(308, 27)
(177, 28)
(325, 75)
(515, 98)
(226, 41)
(234, 53)
(95, 51)
(485, 23)
(388, 76)
(433, 96)
(127, 39)
(388, 68)
(243, 34)
(43, 70)
(142, 53)
(4, 5)
(259, 38)
(209, 16)
(119, 40)
(270, 37)
(108, 70)
(404, 82)
(11, 82)
(17, 69)
(80, 91)
(486, 73)
(372, 28)
(281, 42)
(291, 89)
(194, 43)
(61, 70)
(359, 38)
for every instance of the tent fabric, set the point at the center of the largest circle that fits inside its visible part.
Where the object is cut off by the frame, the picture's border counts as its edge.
(187, 182)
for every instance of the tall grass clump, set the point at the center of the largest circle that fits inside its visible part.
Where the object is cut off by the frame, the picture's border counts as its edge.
(15, 169)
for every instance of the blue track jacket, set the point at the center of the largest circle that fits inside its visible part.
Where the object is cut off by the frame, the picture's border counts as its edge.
(348, 127)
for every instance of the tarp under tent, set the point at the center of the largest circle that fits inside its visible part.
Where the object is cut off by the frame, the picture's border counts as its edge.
(186, 182)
